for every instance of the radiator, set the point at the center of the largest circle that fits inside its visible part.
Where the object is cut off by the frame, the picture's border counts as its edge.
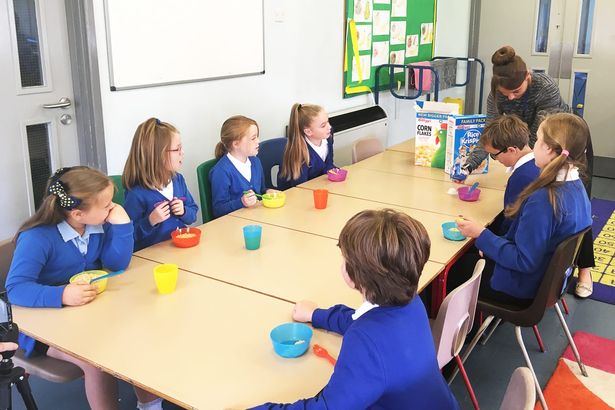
(351, 126)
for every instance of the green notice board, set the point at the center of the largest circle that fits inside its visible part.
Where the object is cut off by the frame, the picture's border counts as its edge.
(387, 32)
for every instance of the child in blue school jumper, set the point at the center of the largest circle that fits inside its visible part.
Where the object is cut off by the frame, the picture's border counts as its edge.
(506, 140)
(551, 209)
(238, 174)
(156, 197)
(77, 227)
(388, 358)
(309, 150)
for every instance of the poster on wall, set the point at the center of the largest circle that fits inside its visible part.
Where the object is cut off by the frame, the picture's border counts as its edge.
(380, 32)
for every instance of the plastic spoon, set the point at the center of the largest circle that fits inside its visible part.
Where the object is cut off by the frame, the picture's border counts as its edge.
(255, 194)
(322, 352)
(108, 275)
(472, 188)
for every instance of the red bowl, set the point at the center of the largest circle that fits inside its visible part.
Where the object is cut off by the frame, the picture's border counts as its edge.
(337, 174)
(186, 237)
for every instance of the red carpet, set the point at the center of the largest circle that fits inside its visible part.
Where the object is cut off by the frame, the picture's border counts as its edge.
(569, 389)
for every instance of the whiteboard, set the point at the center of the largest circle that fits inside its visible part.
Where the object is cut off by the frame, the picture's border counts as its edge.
(159, 42)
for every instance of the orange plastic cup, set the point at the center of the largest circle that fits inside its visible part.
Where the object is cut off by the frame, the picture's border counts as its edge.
(320, 198)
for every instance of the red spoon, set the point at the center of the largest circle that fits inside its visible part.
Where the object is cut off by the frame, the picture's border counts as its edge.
(322, 352)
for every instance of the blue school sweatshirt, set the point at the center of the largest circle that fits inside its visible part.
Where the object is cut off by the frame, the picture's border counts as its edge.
(140, 202)
(228, 185)
(317, 167)
(523, 253)
(387, 361)
(43, 263)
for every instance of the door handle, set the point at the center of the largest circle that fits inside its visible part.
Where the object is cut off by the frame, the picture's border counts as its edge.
(64, 102)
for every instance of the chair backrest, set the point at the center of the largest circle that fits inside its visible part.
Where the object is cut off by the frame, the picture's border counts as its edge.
(365, 148)
(7, 248)
(521, 392)
(456, 316)
(202, 175)
(550, 290)
(271, 153)
(118, 196)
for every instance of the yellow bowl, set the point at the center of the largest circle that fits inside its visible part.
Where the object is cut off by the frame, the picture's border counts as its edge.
(274, 200)
(88, 275)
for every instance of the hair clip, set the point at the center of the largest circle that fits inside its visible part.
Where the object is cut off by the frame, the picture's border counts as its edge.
(299, 107)
(157, 121)
(565, 152)
(66, 201)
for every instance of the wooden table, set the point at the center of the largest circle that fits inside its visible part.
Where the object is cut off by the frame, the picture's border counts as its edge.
(419, 193)
(299, 214)
(289, 265)
(402, 163)
(406, 146)
(204, 346)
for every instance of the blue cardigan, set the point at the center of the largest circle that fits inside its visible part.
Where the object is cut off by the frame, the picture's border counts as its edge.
(317, 167)
(43, 263)
(387, 361)
(521, 178)
(140, 202)
(523, 253)
(228, 185)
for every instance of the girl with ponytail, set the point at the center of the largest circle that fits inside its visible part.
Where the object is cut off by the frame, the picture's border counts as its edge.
(77, 227)
(309, 150)
(549, 210)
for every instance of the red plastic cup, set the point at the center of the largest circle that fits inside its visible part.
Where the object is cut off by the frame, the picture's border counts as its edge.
(320, 198)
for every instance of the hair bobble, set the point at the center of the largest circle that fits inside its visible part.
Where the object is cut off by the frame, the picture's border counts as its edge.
(565, 152)
(67, 202)
(158, 121)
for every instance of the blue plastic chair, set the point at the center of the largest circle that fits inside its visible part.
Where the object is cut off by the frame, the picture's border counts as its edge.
(271, 153)
(202, 175)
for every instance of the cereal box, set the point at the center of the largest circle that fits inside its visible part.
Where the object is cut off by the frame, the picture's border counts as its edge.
(463, 137)
(429, 119)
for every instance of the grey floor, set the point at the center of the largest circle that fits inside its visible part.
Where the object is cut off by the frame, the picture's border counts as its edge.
(489, 367)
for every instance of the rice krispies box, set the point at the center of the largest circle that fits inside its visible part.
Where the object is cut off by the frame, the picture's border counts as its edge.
(463, 137)
(429, 119)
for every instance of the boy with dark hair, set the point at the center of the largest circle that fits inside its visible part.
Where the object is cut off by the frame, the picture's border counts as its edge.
(388, 359)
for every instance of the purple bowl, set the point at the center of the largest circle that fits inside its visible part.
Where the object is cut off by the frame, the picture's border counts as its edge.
(463, 194)
(337, 174)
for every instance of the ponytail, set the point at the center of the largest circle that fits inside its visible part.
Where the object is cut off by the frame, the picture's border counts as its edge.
(296, 152)
(220, 150)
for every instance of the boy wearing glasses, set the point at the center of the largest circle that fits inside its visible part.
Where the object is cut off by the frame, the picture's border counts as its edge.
(506, 139)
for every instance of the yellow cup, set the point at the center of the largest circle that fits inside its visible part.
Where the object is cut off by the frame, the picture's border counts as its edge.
(165, 276)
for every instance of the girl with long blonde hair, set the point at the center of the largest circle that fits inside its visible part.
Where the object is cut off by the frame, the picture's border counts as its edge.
(309, 150)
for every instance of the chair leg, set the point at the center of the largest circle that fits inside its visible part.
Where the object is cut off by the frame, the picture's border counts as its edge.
(538, 338)
(481, 330)
(541, 397)
(466, 380)
(565, 306)
(573, 346)
(488, 335)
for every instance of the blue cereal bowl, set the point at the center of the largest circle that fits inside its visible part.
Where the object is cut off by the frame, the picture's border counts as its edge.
(291, 339)
(451, 231)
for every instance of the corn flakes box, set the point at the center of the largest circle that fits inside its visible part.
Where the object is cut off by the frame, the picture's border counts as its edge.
(462, 138)
(430, 117)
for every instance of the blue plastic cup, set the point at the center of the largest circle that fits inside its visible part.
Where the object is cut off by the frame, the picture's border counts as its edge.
(252, 236)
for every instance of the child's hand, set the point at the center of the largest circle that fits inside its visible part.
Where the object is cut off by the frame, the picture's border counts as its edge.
(177, 207)
(249, 199)
(303, 311)
(161, 213)
(77, 294)
(469, 228)
(117, 215)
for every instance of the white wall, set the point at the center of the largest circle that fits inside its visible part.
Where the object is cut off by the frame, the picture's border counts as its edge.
(303, 63)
